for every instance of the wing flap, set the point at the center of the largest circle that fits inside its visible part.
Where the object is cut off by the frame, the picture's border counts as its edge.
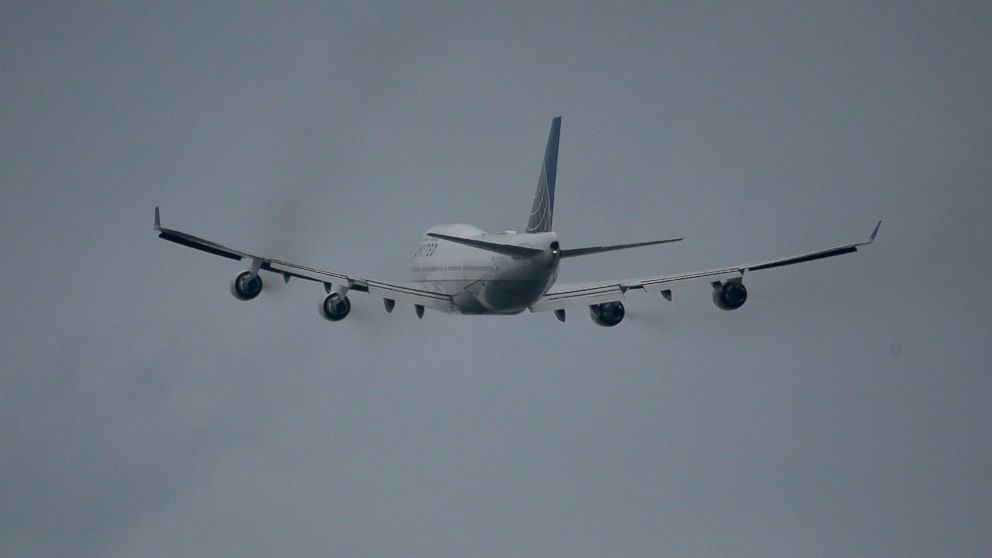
(578, 295)
(669, 282)
(308, 273)
(403, 292)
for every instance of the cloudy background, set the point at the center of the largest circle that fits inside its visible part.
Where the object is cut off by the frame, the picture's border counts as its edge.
(844, 411)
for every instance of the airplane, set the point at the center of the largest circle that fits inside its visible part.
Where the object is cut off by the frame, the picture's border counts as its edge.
(461, 269)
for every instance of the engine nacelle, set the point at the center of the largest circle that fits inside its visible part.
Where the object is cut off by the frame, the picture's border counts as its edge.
(730, 295)
(607, 314)
(246, 285)
(335, 307)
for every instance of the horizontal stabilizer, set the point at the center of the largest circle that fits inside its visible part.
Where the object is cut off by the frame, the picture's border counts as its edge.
(597, 249)
(509, 249)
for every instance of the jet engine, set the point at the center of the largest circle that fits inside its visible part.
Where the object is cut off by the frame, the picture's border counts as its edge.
(246, 285)
(335, 307)
(729, 295)
(607, 314)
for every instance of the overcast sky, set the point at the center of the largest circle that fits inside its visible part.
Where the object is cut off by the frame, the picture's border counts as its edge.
(843, 411)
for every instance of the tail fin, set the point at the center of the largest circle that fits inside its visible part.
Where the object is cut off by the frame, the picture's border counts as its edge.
(544, 200)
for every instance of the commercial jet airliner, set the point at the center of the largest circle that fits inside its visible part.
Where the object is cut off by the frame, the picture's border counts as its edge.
(460, 269)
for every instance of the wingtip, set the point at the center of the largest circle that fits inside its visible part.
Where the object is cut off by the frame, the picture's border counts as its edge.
(158, 220)
(874, 233)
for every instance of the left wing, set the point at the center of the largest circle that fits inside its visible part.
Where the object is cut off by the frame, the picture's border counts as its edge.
(567, 295)
(401, 291)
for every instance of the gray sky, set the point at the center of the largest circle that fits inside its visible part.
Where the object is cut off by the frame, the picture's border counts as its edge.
(842, 412)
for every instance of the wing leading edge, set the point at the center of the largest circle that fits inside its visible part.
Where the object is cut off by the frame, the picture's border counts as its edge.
(391, 290)
(566, 295)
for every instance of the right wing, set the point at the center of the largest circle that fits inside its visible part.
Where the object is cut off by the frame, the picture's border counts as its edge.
(567, 295)
(402, 291)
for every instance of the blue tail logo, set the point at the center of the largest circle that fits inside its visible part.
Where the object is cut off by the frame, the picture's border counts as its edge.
(543, 209)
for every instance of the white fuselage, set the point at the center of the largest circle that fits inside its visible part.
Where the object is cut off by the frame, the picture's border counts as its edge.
(482, 281)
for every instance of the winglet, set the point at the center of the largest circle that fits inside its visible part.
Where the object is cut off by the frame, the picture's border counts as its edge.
(874, 233)
(158, 221)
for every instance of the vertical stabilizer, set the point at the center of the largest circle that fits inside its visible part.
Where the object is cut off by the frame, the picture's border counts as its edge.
(544, 200)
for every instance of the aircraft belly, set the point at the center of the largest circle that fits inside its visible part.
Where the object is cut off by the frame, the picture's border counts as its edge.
(480, 283)
(511, 295)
